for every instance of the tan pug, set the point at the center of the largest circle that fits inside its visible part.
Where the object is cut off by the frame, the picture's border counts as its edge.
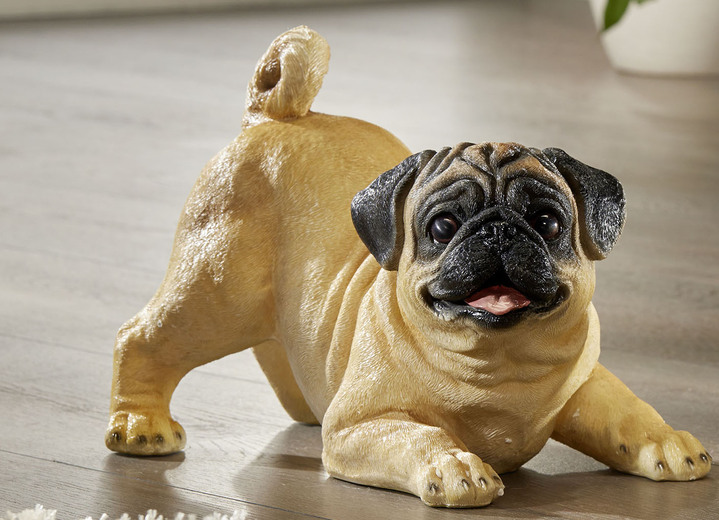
(438, 323)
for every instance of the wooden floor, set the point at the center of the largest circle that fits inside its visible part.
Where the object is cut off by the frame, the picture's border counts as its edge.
(104, 125)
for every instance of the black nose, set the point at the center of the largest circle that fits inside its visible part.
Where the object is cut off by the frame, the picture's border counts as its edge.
(497, 230)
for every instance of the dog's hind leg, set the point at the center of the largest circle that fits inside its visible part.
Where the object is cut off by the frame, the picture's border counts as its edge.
(273, 360)
(216, 299)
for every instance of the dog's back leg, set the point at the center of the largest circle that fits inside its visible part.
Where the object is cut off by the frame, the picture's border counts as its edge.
(273, 360)
(216, 299)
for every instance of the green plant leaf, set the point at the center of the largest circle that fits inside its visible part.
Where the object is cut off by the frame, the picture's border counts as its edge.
(614, 11)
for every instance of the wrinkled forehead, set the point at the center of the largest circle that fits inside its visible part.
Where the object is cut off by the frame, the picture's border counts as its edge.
(493, 165)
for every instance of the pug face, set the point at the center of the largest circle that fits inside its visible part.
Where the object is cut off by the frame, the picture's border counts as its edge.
(491, 232)
(491, 235)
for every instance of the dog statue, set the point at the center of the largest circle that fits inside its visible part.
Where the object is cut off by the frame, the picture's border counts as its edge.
(435, 319)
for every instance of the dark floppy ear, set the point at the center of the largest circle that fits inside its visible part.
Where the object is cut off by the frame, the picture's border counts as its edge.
(377, 210)
(600, 199)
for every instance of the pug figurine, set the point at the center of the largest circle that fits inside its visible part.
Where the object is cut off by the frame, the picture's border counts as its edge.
(435, 319)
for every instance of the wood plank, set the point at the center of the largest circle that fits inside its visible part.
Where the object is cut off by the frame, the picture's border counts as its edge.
(86, 492)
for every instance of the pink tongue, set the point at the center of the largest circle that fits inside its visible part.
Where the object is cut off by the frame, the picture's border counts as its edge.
(498, 300)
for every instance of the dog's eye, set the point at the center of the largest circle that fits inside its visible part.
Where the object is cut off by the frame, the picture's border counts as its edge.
(547, 225)
(443, 227)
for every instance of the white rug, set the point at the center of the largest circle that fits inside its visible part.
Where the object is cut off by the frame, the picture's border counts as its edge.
(40, 513)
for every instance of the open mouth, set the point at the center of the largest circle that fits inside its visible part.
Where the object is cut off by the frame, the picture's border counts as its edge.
(497, 304)
(498, 300)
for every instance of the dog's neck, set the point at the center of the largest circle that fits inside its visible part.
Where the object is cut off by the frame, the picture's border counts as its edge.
(494, 370)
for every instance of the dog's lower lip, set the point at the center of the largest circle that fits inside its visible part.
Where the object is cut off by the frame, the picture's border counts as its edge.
(450, 309)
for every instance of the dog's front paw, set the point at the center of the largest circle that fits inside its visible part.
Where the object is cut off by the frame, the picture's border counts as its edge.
(144, 434)
(666, 455)
(459, 479)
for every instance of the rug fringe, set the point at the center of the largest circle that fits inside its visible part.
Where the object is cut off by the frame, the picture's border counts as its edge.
(40, 513)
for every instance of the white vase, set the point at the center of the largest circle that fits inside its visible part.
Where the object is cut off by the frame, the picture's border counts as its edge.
(664, 37)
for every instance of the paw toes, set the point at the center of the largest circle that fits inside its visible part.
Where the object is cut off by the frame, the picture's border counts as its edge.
(674, 456)
(144, 435)
(157, 440)
(499, 485)
(434, 491)
(460, 480)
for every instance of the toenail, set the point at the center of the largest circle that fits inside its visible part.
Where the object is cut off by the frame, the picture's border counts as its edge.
(142, 439)
(660, 465)
(465, 484)
(159, 439)
(689, 461)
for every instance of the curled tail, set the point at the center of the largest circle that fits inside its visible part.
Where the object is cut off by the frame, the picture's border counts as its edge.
(287, 78)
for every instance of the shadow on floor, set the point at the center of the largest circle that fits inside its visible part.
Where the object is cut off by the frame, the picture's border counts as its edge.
(290, 472)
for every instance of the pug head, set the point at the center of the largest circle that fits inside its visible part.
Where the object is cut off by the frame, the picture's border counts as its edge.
(491, 235)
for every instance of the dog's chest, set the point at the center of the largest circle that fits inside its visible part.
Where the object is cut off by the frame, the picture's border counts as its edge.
(505, 423)
(505, 438)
